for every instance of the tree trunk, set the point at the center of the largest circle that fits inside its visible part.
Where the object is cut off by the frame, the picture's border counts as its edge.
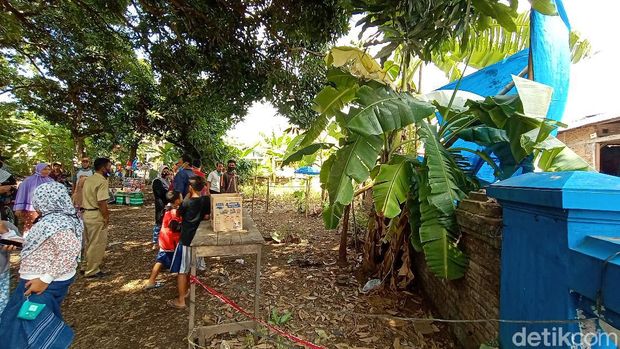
(133, 150)
(79, 146)
(342, 251)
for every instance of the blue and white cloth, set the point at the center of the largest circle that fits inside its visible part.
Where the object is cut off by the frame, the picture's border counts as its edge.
(4, 289)
(47, 331)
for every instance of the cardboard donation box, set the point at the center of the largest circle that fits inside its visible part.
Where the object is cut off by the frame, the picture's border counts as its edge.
(226, 212)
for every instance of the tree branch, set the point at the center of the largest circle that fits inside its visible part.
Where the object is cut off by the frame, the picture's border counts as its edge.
(21, 16)
(32, 61)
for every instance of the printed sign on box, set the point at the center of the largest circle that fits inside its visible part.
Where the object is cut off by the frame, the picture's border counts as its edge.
(226, 212)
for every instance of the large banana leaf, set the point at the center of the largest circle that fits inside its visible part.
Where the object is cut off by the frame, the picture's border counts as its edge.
(309, 150)
(546, 7)
(506, 113)
(483, 135)
(341, 78)
(484, 156)
(382, 110)
(326, 168)
(564, 160)
(327, 103)
(444, 258)
(507, 163)
(493, 44)
(413, 205)
(361, 63)
(391, 186)
(442, 255)
(552, 155)
(332, 215)
(442, 171)
(580, 48)
(352, 162)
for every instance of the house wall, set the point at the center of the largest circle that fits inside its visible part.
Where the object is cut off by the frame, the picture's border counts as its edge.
(587, 140)
(578, 140)
(476, 295)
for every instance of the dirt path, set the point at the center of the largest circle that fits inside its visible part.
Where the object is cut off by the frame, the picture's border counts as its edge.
(299, 277)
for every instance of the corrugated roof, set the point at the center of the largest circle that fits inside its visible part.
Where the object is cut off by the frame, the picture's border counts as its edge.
(592, 119)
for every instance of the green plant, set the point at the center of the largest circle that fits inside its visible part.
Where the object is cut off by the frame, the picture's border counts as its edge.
(383, 131)
(299, 196)
(28, 139)
(451, 34)
(280, 319)
(167, 153)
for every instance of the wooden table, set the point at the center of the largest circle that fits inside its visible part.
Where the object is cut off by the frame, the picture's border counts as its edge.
(208, 243)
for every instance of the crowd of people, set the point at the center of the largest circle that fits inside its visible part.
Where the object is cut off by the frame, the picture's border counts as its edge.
(65, 229)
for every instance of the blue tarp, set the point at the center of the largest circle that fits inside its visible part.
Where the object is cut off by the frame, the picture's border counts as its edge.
(308, 170)
(551, 62)
(491, 80)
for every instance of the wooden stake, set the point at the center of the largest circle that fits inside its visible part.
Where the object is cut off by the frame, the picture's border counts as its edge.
(307, 195)
(268, 186)
(253, 196)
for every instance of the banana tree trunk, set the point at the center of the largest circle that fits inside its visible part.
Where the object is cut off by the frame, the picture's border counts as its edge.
(372, 244)
(386, 252)
(342, 250)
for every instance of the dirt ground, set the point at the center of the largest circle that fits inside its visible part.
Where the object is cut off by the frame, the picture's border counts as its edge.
(299, 276)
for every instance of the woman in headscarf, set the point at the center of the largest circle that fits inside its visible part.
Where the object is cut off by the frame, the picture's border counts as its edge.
(49, 260)
(161, 186)
(24, 211)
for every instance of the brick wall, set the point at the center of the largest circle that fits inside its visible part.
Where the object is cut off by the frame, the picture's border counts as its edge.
(476, 295)
(577, 139)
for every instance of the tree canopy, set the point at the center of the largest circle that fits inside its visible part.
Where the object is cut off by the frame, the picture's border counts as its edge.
(184, 71)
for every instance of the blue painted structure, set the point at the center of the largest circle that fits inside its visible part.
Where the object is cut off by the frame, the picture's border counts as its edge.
(551, 58)
(559, 257)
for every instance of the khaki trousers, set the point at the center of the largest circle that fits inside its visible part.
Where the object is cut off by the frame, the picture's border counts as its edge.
(96, 241)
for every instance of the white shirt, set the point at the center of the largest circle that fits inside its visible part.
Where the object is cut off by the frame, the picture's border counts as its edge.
(214, 179)
(83, 172)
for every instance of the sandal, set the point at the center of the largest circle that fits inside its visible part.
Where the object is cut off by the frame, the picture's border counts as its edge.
(171, 303)
(157, 284)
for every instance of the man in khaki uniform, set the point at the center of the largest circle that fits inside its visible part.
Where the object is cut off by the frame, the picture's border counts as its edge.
(95, 196)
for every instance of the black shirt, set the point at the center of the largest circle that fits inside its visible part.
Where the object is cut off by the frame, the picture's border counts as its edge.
(192, 211)
(159, 193)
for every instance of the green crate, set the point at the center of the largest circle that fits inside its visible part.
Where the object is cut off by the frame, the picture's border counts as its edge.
(136, 201)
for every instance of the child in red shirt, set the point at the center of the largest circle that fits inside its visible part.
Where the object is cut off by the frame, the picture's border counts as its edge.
(169, 237)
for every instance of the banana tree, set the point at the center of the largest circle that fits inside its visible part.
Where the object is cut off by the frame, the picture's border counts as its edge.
(401, 146)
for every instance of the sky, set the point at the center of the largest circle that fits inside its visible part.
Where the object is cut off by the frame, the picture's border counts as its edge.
(592, 86)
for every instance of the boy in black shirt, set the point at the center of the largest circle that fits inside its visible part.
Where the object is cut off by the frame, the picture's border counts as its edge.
(193, 210)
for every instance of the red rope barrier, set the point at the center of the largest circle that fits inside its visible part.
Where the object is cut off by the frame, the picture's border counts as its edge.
(238, 308)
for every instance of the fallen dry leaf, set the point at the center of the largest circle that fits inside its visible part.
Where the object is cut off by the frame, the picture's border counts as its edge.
(369, 339)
